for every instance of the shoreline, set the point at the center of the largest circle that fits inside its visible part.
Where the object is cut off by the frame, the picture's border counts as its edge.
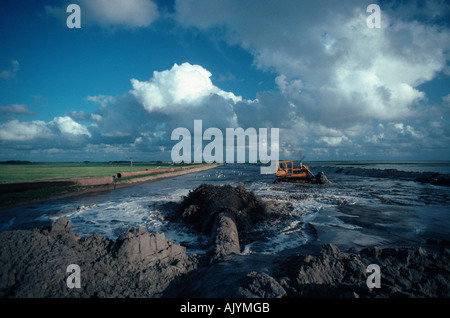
(77, 190)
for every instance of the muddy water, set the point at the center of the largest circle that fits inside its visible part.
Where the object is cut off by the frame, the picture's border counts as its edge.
(355, 210)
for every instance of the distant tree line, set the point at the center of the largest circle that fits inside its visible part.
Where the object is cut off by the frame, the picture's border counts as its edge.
(16, 162)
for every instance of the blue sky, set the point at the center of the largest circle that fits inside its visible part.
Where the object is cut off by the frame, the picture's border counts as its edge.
(135, 70)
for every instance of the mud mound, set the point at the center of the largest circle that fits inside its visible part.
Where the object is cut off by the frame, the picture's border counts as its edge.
(33, 263)
(201, 206)
(434, 178)
(405, 272)
(321, 178)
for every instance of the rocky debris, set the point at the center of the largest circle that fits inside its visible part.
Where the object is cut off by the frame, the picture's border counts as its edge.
(200, 207)
(434, 178)
(440, 180)
(137, 245)
(405, 272)
(329, 274)
(260, 285)
(321, 178)
(62, 230)
(33, 263)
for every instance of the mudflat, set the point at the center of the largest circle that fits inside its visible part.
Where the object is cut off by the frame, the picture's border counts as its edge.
(34, 262)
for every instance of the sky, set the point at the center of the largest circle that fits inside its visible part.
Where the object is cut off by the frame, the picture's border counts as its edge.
(118, 86)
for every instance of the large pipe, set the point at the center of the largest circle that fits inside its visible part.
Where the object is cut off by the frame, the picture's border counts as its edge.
(225, 237)
(94, 181)
(140, 173)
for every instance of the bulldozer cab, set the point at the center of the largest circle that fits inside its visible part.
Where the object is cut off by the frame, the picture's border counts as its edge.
(284, 165)
(289, 166)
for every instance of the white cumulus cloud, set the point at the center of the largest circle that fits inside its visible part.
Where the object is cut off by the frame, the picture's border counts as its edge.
(15, 130)
(68, 126)
(329, 63)
(183, 84)
(335, 75)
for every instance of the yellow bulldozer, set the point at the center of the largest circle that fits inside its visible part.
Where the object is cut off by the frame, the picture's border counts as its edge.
(293, 171)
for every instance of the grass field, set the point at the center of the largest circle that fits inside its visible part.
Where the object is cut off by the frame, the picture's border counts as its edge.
(56, 171)
(17, 173)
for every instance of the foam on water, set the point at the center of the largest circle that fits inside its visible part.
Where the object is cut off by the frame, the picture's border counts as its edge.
(113, 217)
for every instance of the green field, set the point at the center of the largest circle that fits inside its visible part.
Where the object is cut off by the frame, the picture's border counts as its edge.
(56, 171)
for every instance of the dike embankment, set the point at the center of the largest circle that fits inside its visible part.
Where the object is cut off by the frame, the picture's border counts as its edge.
(78, 186)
